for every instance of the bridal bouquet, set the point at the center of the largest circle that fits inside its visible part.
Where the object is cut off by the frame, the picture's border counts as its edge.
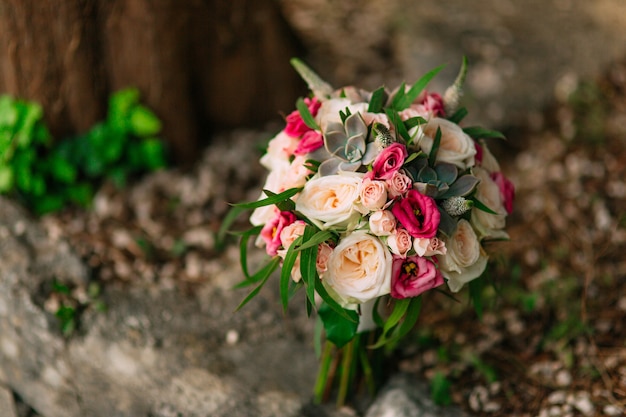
(373, 199)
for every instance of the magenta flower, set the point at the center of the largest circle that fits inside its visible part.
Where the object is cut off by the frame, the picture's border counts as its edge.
(413, 275)
(507, 190)
(271, 231)
(388, 161)
(295, 125)
(418, 214)
(311, 141)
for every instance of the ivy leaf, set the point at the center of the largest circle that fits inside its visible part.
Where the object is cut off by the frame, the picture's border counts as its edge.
(143, 122)
(339, 330)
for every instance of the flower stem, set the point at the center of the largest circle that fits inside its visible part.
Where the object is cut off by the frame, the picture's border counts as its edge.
(322, 374)
(346, 368)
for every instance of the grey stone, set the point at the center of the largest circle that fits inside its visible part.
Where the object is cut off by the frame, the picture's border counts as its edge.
(7, 404)
(406, 396)
(154, 352)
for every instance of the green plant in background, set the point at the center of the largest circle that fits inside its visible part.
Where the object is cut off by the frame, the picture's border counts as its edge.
(46, 175)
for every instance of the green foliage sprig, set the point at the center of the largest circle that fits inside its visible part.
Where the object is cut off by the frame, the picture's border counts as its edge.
(47, 175)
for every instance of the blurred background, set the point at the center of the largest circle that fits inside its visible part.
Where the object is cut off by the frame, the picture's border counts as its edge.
(210, 65)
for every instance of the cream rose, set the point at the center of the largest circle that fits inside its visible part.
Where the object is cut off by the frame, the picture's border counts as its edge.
(487, 192)
(455, 147)
(382, 223)
(279, 149)
(429, 247)
(330, 201)
(464, 260)
(291, 232)
(323, 254)
(372, 194)
(359, 269)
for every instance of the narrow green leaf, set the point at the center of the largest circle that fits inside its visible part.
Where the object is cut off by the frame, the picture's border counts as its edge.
(285, 274)
(317, 85)
(458, 115)
(416, 89)
(323, 293)
(308, 259)
(440, 389)
(478, 132)
(319, 237)
(243, 248)
(306, 115)
(475, 292)
(272, 199)
(377, 101)
(481, 206)
(432, 158)
(227, 223)
(256, 291)
(410, 318)
(399, 309)
(398, 98)
(398, 124)
(414, 121)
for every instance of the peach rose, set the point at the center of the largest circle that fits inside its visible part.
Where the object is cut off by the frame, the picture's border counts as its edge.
(382, 223)
(372, 194)
(359, 269)
(429, 247)
(400, 242)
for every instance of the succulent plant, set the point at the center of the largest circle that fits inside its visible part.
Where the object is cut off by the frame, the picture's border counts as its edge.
(346, 144)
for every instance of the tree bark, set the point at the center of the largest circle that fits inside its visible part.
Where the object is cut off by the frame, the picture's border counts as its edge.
(200, 65)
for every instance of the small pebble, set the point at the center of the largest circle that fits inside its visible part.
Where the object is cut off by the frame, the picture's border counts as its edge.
(232, 337)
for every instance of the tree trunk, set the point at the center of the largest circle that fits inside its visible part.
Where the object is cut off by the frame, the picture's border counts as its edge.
(200, 65)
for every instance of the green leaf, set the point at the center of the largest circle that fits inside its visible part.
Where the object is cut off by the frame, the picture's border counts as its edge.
(32, 113)
(398, 124)
(398, 98)
(476, 287)
(481, 206)
(285, 274)
(152, 154)
(8, 112)
(308, 259)
(478, 132)
(458, 115)
(120, 105)
(410, 318)
(306, 115)
(399, 309)
(272, 199)
(243, 248)
(432, 157)
(267, 273)
(323, 293)
(319, 237)
(440, 389)
(143, 122)
(81, 194)
(407, 99)
(6, 179)
(377, 101)
(463, 186)
(414, 121)
(226, 224)
(62, 170)
(339, 330)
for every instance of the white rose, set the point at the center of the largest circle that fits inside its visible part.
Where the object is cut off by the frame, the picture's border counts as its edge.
(330, 201)
(359, 269)
(456, 147)
(487, 192)
(463, 260)
(279, 149)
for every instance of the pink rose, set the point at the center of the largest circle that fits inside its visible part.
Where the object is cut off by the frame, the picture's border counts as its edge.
(373, 194)
(432, 103)
(382, 223)
(400, 242)
(412, 276)
(324, 250)
(507, 190)
(295, 125)
(311, 141)
(388, 161)
(398, 184)
(291, 232)
(272, 230)
(418, 214)
(429, 247)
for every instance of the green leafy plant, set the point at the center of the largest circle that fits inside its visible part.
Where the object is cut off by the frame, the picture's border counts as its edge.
(46, 175)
